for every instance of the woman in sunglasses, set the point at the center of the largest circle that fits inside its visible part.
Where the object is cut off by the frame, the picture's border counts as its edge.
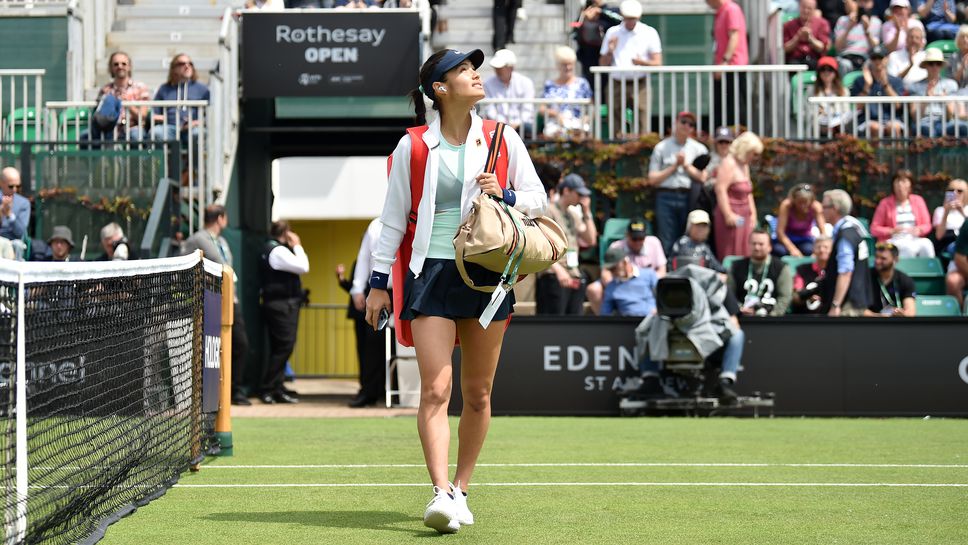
(798, 214)
(949, 217)
(902, 218)
(831, 118)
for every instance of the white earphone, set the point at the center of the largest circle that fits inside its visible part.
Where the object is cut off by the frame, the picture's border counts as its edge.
(442, 88)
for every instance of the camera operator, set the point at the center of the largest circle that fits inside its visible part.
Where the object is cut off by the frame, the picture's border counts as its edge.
(116, 247)
(762, 284)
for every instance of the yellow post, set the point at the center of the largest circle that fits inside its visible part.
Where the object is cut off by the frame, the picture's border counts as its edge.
(223, 421)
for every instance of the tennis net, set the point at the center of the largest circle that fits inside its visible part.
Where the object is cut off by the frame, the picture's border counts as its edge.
(110, 412)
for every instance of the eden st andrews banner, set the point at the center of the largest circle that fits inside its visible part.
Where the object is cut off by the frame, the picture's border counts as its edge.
(329, 53)
(211, 351)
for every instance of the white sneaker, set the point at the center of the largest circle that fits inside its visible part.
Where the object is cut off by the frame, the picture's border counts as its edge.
(441, 513)
(464, 515)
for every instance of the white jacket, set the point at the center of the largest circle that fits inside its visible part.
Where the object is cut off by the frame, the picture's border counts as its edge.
(531, 198)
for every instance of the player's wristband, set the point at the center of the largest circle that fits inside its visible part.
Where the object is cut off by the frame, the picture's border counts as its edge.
(379, 281)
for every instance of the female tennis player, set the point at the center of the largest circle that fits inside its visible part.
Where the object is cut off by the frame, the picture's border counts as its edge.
(436, 300)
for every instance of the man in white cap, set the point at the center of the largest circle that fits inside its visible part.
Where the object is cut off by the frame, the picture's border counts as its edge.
(632, 43)
(506, 83)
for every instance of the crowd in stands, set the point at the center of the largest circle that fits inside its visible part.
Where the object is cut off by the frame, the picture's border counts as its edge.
(811, 257)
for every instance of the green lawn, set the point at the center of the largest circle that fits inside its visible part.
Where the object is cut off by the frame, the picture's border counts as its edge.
(612, 491)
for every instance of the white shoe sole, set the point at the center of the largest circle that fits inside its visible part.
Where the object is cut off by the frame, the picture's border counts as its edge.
(441, 522)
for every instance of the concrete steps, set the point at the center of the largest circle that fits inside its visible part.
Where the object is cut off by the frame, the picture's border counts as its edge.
(469, 26)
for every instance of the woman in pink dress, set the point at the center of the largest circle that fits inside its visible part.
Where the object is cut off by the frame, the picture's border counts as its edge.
(735, 214)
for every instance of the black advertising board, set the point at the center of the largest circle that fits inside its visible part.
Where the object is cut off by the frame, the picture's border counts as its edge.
(329, 53)
(815, 366)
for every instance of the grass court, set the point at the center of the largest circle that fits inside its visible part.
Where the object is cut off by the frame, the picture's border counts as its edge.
(579, 480)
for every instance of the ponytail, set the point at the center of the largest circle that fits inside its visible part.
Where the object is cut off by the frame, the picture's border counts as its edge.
(419, 108)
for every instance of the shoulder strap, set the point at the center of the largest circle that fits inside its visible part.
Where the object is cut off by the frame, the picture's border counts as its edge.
(418, 166)
(494, 132)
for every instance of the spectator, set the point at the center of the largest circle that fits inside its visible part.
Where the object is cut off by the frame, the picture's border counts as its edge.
(937, 118)
(645, 252)
(672, 173)
(172, 123)
(729, 33)
(61, 242)
(949, 217)
(124, 88)
(723, 137)
(632, 43)
(115, 244)
(14, 209)
(833, 10)
(958, 269)
(855, 34)
(214, 247)
(593, 21)
(399, 4)
(905, 62)
(939, 18)
(897, 25)
(265, 5)
(560, 290)
(846, 286)
(893, 291)
(283, 260)
(735, 215)
(830, 118)
(902, 218)
(692, 248)
(559, 120)
(799, 212)
(353, 4)
(808, 276)
(762, 284)
(703, 196)
(370, 344)
(806, 38)
(959, 59)
(878, 120)
(506, 83)
(503, 15)
(631, 291)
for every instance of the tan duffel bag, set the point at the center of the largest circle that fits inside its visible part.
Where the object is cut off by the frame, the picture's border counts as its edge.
(502, 239)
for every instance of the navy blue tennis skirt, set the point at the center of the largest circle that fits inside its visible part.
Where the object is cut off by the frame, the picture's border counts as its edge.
(440, 291)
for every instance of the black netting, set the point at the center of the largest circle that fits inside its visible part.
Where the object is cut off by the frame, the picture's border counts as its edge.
(113, 397)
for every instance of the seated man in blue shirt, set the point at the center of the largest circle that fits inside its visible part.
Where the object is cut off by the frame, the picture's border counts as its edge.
(14, 207)
(182, 84)
(631, 291)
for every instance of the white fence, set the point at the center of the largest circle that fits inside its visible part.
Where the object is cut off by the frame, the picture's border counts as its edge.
(757, 97)
(161, 120)
(893, 117)
(21, 97)
(563, 124)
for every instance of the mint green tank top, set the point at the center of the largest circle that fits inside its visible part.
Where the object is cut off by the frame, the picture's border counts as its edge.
(450, 176)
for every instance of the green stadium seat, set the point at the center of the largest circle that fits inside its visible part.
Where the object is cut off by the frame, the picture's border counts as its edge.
(850, 77)
(614, 229)
(946, 46)
(937, 305)
(927, 273)
(15, 125)
(794, 262)
(728, 260)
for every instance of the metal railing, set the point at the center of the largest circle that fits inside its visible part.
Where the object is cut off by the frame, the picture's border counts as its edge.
(905, 116)
(224, 114)
(164, 120)
(675, 88)
(19, 104)
(576, 126)
(28, 5)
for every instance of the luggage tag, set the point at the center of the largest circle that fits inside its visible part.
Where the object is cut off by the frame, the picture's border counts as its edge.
(500, 292)
(571, 259)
